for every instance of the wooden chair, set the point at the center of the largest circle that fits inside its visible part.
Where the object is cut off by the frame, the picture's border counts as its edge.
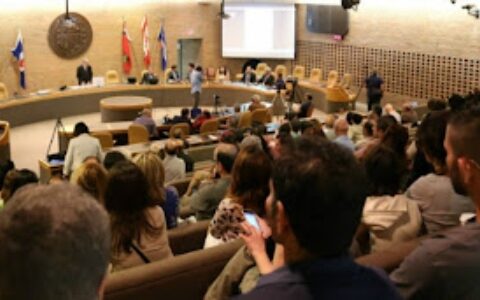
(316, 75)
(332, 78)
(4, 140)
(111, 77)
(261, 69)
(245, 120)
(208, 127)
(210, 73)
(184, 128)
(137, 134)
(260, 116)
(3, 91)
(299, 72)
(105, 138)
(346, 81)
(281, 69)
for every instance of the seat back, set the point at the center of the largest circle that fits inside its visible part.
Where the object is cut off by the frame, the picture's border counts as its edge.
(336, 94)
(316, 75)
(188, 237)
(245, 120)
(299, 72)
(209, 126)
(4, 140)
(183, 277)
(260, 116)
(346, 81)
(3, 91)
(332, 78)
(260, 70)
(211, 73)
(105, 138)
(281, 69)
(111, 77)
(137, 134)
(184, 128)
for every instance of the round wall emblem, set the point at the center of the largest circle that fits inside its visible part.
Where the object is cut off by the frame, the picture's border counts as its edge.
(70, 38)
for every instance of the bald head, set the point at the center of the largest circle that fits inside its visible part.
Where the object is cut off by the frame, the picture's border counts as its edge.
(341, 127)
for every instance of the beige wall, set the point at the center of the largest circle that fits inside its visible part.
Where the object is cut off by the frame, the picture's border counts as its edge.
(428, 26)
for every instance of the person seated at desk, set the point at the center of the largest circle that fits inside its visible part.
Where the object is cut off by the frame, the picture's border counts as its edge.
(256, 103)
(222, 74)
(249, 75)
(84, 73)
(149, 77)
(267, 78)
(173, 76)
(305, 107)
(280, 82)
(80, 147)
(206, 115)
(146, 120)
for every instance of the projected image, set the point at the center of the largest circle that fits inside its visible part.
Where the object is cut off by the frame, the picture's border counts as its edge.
(259, 31)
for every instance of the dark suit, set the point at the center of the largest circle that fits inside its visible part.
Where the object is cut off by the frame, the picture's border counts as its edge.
(253, 78)
(84, 75)
(173, 76)
(267, 79)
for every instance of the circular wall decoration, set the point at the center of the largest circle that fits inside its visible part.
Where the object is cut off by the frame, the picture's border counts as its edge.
(70, 37)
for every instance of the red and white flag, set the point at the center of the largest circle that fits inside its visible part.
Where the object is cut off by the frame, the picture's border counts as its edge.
(146, 43)
(126, 51)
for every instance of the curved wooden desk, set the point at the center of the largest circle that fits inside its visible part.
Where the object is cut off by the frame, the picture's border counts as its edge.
(123, 108)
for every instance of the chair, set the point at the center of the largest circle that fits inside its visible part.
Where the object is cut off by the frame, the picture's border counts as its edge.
(165, 74)
(281, 69)
(346, 81)
(210, 73)
(187, 237)
(260, 116)
(261, 69)
(137, 134)
(4, 140)
(299, 72)
(3, 91)
(332, 78)
(208, 127)
(105, 138)
(183, 127)
(245, 120)
(316, 75)
(111, 77)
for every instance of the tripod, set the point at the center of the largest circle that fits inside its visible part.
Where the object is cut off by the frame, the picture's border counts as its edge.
(56, 129)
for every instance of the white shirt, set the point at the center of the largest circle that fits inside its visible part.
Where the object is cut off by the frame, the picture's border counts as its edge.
(174, 168)
(80, 148)
(196, 81)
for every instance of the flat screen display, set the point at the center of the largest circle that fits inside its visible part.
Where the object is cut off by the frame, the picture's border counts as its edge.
(259, 31)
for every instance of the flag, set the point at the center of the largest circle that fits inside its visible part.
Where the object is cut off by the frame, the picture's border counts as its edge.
(19, 55)
(162, 39)
(127, 55)
(146, 43)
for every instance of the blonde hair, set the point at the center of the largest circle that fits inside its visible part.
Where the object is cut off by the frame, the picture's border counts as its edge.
(92, 178)
(152, 167)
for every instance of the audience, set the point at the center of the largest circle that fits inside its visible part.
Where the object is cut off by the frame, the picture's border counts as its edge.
(389, 216)
(328, 128)
(255, 103)
(174, 166)
(14, 180)
(204, 116)
(306, 109)
(182, 118)
(314, 217)
(447, 265)
(248, 191)
(92, 178)
(341, 133)
(390, 111)
(355, 128)
(166, 197)
(5, 166)
(111, 158)
(80, 147)
(409, 115)
(146, 120)
(139, 231)
(55, 244)
(441, 207)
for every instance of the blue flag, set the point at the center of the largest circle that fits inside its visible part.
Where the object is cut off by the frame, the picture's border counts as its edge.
(17, 52)
(162, 39)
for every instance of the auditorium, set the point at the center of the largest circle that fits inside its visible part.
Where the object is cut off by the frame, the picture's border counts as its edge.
(239, 149)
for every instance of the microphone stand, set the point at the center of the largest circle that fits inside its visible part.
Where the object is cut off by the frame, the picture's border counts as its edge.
(57, 128)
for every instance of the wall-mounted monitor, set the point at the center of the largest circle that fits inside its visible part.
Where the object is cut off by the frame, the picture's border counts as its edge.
(332, 19)
(259, 31)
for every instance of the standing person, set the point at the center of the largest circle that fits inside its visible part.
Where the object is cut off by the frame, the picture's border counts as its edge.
(374, 84)
(84, 73)
(196, 78)
(278, 105)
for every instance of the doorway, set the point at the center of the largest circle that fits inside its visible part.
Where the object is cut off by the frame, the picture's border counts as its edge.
(188, 50)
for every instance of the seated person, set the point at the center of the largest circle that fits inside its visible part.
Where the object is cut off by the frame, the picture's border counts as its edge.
(139, 230)
(204, 116)
(14, 180)
(174, 166)
(305, 107)
(306, 203)
(80, 147)
(182, 118)
(204, 197)
(341, 133)
(389, 110)
(173, 76)
(255, 103)
(389, 217)
(355, 130)
(222, 74)
(146, 120)
(409, 115)
(249, 75)
(267, 79)
(149, 77)
(280, 82)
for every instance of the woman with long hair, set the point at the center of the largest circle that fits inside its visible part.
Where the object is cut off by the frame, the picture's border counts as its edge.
(248, 191)
(139, 232)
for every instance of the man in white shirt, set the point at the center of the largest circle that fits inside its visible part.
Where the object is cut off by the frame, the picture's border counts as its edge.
(341, 132)
(174, 166)
(196, 81)
(80, 147)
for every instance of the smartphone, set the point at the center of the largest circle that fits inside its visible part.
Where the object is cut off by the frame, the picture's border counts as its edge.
(251, 218)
